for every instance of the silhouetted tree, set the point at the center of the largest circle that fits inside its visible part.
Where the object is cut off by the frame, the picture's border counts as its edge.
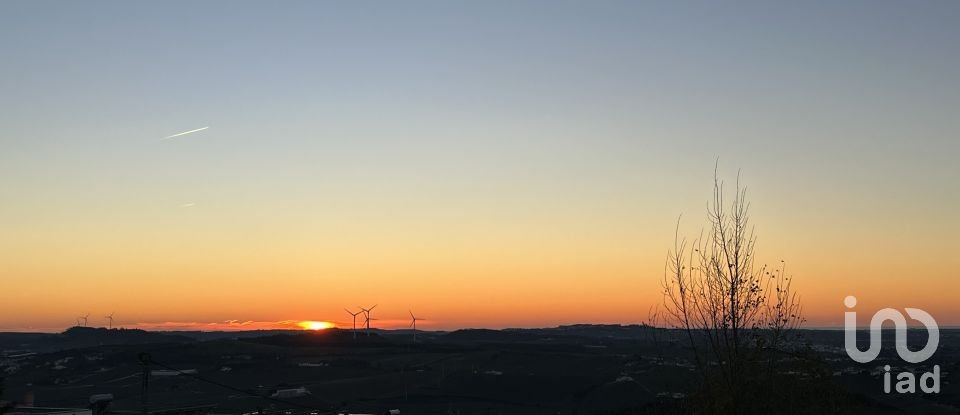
(737, 315)
(653, 327)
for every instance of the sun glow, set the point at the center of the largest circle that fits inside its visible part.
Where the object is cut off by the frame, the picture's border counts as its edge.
(316, 325)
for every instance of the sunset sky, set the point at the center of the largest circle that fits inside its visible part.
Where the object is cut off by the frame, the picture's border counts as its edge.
(485, 164)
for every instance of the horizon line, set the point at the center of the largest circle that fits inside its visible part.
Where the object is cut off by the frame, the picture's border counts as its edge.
(55, 331)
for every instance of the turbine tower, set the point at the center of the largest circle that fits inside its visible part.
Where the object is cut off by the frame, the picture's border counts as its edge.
(367, 322)
(354, 315)
(367, 318)
(84, 318)
(110, 319)
(413, 324)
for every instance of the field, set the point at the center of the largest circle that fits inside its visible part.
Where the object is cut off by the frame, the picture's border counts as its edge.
(571, 369)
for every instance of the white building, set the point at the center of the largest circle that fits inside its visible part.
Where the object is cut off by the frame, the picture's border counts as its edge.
(290, 393)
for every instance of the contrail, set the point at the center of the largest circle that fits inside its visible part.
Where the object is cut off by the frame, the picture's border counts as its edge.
(184, 133)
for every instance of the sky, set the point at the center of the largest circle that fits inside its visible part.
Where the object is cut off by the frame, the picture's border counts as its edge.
(484, 164)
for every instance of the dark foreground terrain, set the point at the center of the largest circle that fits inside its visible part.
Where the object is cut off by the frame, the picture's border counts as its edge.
(570, 369)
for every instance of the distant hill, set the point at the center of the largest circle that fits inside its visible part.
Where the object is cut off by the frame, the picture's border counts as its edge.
(490, 336)
(599, 330)
(81, 337)
(101, 336)
(217, 335)
(587, 331)
(322, 337)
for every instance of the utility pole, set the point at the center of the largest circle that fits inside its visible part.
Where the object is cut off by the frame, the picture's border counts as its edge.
(145, 383)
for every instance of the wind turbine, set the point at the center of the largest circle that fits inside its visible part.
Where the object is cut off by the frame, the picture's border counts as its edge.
(84, 318)
(110, 319)
(366, 312)
(413, 323)
(367, 322)
(354, 315)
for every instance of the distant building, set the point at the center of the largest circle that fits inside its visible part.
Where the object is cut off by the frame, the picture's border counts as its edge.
(290, 393)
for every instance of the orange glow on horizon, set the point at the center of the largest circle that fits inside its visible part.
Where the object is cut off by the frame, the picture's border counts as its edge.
(316, 325)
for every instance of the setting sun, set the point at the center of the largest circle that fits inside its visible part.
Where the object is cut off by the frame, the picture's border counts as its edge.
(316, 325)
